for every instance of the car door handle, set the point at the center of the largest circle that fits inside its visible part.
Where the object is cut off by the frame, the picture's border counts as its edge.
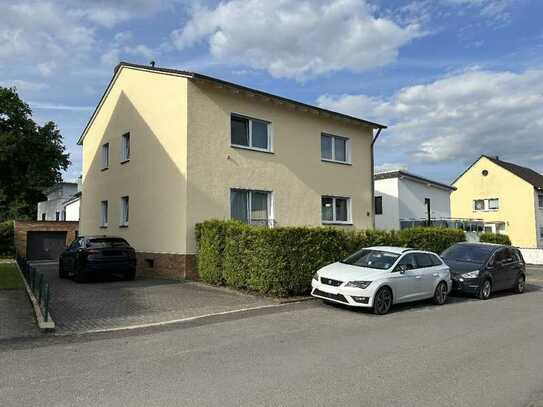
(436, 274)
(418, 276)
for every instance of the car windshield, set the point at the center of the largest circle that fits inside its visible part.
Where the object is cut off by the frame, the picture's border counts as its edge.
(468, 253)
(374, 259)
(107, 242)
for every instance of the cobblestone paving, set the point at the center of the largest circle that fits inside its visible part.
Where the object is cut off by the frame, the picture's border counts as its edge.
(16, 315)
(78, 308)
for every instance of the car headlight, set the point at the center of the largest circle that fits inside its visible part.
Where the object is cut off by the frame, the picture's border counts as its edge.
(471, 274)
(316, 276)
(358, 284)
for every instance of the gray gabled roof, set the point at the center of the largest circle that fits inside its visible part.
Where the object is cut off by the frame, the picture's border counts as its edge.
(195, 75)
(413, 177)
(527, 174)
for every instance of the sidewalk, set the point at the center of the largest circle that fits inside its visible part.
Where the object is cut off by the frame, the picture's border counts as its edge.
(16, 315)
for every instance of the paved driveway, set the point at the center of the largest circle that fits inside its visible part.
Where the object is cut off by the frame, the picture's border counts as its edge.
(99, 305)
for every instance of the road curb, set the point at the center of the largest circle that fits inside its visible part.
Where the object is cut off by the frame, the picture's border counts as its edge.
(43, 325)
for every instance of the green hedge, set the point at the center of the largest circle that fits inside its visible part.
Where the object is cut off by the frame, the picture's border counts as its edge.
(7, 248)
(281, 261)
(495, 238)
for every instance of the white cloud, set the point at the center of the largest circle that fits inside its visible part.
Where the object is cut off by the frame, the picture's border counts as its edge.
(57, 106)
(23, 85)
(296, 39)
(494, 9)
(459, 116)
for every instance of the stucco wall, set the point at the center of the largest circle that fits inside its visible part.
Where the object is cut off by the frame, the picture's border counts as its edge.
(388, 189)
(72, 210)
(152, 108)
(516, 200)
(294, 172)
(538, 218)
(412, 195)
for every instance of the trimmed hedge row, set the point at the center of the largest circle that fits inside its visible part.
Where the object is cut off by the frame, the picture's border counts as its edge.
(281, 261)
(495, 238)
(7, 248)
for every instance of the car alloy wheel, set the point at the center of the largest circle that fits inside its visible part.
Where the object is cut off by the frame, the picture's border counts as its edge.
(382, 301)
(441, 293)
(520, 284)
(485, 290)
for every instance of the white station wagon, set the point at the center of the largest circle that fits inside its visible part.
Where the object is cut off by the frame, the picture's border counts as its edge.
(378, 277)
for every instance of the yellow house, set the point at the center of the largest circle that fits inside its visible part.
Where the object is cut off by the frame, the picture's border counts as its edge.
(166, 149)
(508, 197)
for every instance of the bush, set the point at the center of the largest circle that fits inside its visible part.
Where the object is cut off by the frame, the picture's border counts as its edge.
(495, 238)
(432, 239)
(281, 261)
(7, 248)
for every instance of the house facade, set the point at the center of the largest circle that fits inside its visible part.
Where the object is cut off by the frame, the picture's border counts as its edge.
(54, 208)
(167, 149)
(508, 197)
(403, 200)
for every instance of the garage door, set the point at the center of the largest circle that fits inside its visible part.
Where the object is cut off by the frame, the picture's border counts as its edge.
(45, 245)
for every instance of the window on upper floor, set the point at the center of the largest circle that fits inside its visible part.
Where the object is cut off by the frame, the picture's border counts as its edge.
(336, 209)
(335, 148)
(541, 232)
(251, 206)
(540, 201)
(125, 147)
(57, 216)
(378, 205)
(43, 216)
(105, 156)
(492, 204)
(250, 133)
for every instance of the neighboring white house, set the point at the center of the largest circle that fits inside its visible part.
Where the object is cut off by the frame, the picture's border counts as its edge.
(54, 208)
(71, 207)
(403, 199)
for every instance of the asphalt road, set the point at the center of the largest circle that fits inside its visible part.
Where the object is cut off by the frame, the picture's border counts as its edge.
(466, 353)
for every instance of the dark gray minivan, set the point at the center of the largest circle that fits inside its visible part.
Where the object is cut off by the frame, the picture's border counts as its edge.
(482, 268)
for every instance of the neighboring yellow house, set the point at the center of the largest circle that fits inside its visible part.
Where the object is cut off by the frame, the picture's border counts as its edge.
(166, 149)
(508, 197)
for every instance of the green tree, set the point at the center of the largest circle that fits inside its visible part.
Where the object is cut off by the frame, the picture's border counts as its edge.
(31, 157)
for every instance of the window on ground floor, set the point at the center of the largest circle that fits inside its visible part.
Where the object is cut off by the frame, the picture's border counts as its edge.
(124, 211)
(378, 205)
(104, 214)
(251, 206)
(335, 209)
(540, 201)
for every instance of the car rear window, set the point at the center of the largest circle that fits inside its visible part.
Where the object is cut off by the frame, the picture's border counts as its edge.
(468, 253)
(103, 243)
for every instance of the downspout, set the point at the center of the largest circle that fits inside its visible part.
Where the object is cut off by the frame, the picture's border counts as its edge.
(372, 177)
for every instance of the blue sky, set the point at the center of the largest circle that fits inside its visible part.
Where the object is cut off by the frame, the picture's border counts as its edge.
(452, 78)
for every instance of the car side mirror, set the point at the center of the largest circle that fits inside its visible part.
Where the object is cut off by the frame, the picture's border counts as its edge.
(402, 268)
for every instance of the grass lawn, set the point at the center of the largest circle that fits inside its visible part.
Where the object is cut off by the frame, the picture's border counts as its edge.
(9, 277)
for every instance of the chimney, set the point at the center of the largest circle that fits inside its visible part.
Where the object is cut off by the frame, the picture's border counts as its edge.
(153, 64)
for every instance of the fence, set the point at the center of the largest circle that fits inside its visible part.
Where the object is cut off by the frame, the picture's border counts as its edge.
(532, 255)
(37, 283)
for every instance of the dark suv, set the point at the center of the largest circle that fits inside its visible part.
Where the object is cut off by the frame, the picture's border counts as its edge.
(90, 255)
(483, 268)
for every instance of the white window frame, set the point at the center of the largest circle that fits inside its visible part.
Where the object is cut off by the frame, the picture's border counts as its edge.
(349, 220)
(348, 152)
(125, 211)
(486, 204)
(271, 203)
(104, 215)
(125, 147)
(250, 120)
(105, 156)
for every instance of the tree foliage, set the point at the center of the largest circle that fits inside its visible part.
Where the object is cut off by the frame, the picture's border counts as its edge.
(31, 157)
